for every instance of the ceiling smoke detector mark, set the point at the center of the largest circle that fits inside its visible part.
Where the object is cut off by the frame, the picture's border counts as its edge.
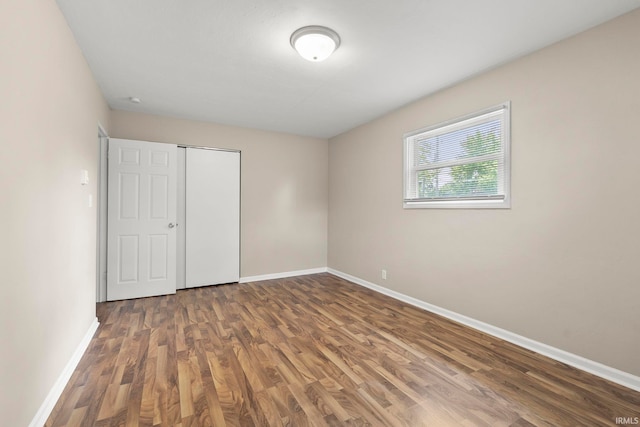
(134, 100)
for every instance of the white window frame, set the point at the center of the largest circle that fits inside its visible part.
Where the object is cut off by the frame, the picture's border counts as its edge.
(411, 171)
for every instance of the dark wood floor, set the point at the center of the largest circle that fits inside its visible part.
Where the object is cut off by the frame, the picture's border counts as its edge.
(316, 350)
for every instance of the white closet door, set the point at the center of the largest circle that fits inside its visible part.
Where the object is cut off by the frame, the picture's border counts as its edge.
(212, 217)
(181, 229)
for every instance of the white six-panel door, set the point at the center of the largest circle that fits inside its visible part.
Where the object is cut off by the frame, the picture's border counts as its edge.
(141, 237)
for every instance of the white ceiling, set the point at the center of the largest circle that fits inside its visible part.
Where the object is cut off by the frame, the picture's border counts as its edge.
(230, 62)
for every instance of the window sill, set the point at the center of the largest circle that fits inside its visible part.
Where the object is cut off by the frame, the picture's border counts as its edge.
(459, 204)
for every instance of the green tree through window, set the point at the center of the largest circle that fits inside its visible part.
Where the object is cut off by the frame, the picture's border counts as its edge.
(464, 180)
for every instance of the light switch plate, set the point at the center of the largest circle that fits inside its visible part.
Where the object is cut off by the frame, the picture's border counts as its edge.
(84, 177)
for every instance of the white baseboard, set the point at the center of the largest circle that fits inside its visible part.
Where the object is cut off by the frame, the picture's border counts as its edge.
(615, 375)
(282, 275)
(58, 387)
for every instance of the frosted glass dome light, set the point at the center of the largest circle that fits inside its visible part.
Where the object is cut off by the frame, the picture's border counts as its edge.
(315, 43)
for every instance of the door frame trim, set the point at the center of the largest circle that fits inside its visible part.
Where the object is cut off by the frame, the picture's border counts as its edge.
(101, 229)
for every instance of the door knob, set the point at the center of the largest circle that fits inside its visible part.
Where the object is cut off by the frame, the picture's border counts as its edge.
(171, 225)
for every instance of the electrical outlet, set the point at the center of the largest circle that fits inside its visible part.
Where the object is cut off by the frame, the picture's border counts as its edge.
(384, 274)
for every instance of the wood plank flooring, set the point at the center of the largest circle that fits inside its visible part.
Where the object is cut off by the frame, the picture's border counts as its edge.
(316, 350)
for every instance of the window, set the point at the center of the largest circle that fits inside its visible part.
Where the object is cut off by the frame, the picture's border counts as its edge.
(463, 163)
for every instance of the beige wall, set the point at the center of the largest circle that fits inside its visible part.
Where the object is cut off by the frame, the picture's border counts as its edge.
(49, 113)
(284, 187)
(561, 266)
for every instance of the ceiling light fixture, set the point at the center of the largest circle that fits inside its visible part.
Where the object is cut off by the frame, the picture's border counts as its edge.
(315, 43)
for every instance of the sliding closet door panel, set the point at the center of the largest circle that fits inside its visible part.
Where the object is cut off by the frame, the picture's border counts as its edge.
(212, 217)
(181, 228)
